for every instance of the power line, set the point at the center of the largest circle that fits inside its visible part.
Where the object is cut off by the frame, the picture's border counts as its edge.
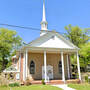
(29, 28)
(18, 26)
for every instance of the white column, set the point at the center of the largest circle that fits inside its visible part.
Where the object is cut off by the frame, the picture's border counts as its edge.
(24, 75)
(20, 62)
(45, 66)
(63, 74)
(78, 65)
(68, 67)
(26, 61)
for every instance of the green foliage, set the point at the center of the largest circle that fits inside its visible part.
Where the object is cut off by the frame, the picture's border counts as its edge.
(85, 50)
(14, 85)
(43, 82)
(86, 78)
(73, 75)
(9, 42)
(80, 38)
(85, 55)
(77, 35)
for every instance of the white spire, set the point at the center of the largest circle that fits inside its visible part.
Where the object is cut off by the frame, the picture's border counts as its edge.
(44, 15)
(44, 22)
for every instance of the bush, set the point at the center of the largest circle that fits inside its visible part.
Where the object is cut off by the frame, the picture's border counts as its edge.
(43, 82)
(27, 82)
(11, 76)
(14, 85)
(73, 75)
(89, 81)
(86, 78)
(77, 76)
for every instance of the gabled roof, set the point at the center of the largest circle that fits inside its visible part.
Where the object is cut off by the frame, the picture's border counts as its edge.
(45, 41)
(10, 69)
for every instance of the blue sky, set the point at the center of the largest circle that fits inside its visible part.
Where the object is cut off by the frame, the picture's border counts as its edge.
(59, 13)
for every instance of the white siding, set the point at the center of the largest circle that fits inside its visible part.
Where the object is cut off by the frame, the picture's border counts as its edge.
(53, 42)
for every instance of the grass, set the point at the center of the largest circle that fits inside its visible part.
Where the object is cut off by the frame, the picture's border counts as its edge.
(32, 87)
(80, 86)
(4, 88)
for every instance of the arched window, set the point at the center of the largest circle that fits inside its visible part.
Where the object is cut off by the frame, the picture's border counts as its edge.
(32, 67)
(60, 67)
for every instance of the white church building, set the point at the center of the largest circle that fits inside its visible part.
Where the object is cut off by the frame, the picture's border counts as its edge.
(47, 57)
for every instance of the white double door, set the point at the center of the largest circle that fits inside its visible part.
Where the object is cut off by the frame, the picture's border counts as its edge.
(49, 69)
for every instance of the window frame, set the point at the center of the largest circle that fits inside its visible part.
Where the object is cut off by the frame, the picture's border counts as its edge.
(60, 67)
(33, 67)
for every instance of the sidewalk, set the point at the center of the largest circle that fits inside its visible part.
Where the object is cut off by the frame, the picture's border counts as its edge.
(64, 87)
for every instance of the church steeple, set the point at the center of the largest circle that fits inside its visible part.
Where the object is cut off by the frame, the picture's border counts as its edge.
(43, 22)
(44, 15)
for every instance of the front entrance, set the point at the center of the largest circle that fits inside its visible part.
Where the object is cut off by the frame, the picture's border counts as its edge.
(49, 72)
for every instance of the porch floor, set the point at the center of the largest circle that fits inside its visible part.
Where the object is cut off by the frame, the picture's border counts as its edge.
(53, 82)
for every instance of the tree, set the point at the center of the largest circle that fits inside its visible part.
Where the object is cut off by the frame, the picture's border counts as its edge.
(85, 50)
(80, 38)
(9, 42)
(85, 55)
(76, 35)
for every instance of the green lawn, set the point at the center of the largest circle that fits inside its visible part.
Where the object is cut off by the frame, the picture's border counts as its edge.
(32, 87)
(80, 86)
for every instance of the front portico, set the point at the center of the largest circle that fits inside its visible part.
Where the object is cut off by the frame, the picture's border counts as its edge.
(58, 59)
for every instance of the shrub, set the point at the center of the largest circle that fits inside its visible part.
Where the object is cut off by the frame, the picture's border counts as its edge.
(86, 78)
(27, 82)
(43, 82)
(89, 81)
(14, 85)
(11, 76)
(77, 76)
(73, 75)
